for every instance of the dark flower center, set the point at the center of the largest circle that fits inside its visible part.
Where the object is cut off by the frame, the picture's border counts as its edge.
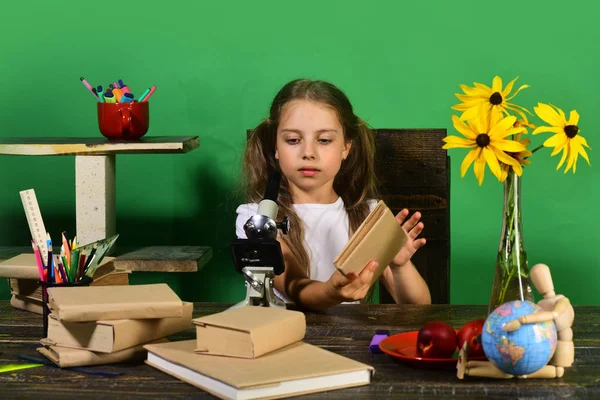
(482, 140)
(571, 131)
(496, 98)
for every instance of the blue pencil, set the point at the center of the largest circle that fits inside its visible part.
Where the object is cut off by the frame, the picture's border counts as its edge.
(50, 258)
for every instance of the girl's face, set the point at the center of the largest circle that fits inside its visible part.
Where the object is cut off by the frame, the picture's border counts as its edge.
(310, 149)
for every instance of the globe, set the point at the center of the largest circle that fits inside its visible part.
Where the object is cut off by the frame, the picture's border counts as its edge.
(524, 350)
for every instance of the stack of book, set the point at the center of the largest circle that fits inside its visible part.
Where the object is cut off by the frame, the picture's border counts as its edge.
(109, 324)
(26, 291)
(256, 352)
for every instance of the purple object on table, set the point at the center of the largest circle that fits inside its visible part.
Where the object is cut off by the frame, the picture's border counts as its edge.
(379, 336)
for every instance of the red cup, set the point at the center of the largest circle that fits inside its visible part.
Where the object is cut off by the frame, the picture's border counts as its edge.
(123, 121)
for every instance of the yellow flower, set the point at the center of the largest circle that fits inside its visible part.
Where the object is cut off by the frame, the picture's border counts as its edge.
(493, 101)
(488, 145)
(526, 124)
(566, 134)
(520, 156)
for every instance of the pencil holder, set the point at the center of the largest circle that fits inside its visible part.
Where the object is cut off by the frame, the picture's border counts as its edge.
(85, 281)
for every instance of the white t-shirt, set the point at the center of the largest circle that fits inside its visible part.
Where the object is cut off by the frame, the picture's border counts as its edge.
(325, 232)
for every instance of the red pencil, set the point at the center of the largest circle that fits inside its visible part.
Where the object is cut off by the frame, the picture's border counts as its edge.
(38, 259)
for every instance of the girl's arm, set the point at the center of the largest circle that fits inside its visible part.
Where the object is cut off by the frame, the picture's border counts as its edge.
(316, 295)
(405, 284)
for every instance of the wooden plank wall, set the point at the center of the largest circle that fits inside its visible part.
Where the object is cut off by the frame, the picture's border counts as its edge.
(413, 172)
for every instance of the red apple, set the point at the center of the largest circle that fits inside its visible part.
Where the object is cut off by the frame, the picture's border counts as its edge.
(471, 333)
(436, 339)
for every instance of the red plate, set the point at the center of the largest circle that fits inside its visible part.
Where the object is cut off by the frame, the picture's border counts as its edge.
(403, 347)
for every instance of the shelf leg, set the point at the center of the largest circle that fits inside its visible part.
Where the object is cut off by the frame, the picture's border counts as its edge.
(95, 198)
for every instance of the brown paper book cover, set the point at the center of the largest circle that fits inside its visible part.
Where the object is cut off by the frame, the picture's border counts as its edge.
(249, 331)
(379, 238)
(113, 278)
(297, 369)
(26, 287)
(27, 304)
(95, 303)
(66, 357)
(114, 335)
(24, 266)
(32, 288)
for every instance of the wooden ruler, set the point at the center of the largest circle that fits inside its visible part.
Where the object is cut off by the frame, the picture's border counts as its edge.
(34, 219)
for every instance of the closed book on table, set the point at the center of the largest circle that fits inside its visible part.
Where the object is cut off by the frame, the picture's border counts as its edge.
(27, 304)
(297, 369)
(109, 336)
(66, 357)
(96, 303)
(380, 237)
(249, 331)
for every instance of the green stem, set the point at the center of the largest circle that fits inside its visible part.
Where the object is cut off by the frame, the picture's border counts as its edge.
(537, 148)
(512, 274)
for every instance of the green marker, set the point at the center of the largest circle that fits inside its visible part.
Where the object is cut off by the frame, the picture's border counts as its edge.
(144, 95)
(16, 367)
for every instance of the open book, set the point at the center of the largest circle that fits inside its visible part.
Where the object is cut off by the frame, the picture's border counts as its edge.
(379, 238)
(293, 370)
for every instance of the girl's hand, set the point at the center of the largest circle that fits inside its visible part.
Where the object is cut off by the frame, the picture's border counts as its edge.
(353, 286)
(413, 228)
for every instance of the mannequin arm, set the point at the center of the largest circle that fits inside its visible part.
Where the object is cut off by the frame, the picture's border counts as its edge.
(529, 319)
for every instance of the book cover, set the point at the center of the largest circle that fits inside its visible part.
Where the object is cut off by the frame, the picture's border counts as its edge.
(379, 237)
(95, 303)
(249, 331)
(299, 368)
(66, 357)
(110, 336)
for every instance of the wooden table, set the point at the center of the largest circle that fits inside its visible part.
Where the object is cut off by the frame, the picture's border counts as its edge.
(346, 330)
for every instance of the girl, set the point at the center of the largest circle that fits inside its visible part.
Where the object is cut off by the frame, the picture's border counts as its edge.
(325, 154)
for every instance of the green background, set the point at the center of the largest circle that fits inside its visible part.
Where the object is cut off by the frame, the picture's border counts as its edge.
(217, 66)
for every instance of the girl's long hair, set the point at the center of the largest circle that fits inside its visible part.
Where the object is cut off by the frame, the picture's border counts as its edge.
(355, 181)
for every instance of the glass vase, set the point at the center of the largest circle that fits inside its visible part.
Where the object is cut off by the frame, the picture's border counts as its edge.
(511, 279)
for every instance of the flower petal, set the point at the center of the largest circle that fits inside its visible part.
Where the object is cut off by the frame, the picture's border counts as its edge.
(519, 110)
(479, 169)
(461, 127)
(511, 146)
(557, 149)
(553, 129)
(497, 84)
(502, 126)
(508, 160)
(557, 140)
(483, 87)
(468, 160)
(508, 88)
(513, 131)
(563, 157)
(549, 115)
(517, 91)
(455, 142)
(580, 148)
(471, 113)
(572, 159)
(504, 173)
(492, 161)
(583, 141)
(560, 112)
(573, 118)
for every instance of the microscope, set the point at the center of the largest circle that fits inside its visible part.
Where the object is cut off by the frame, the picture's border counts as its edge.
(258, 258)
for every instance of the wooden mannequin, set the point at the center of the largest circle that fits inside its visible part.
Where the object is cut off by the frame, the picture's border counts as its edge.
(557, 308)
(488, 370)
